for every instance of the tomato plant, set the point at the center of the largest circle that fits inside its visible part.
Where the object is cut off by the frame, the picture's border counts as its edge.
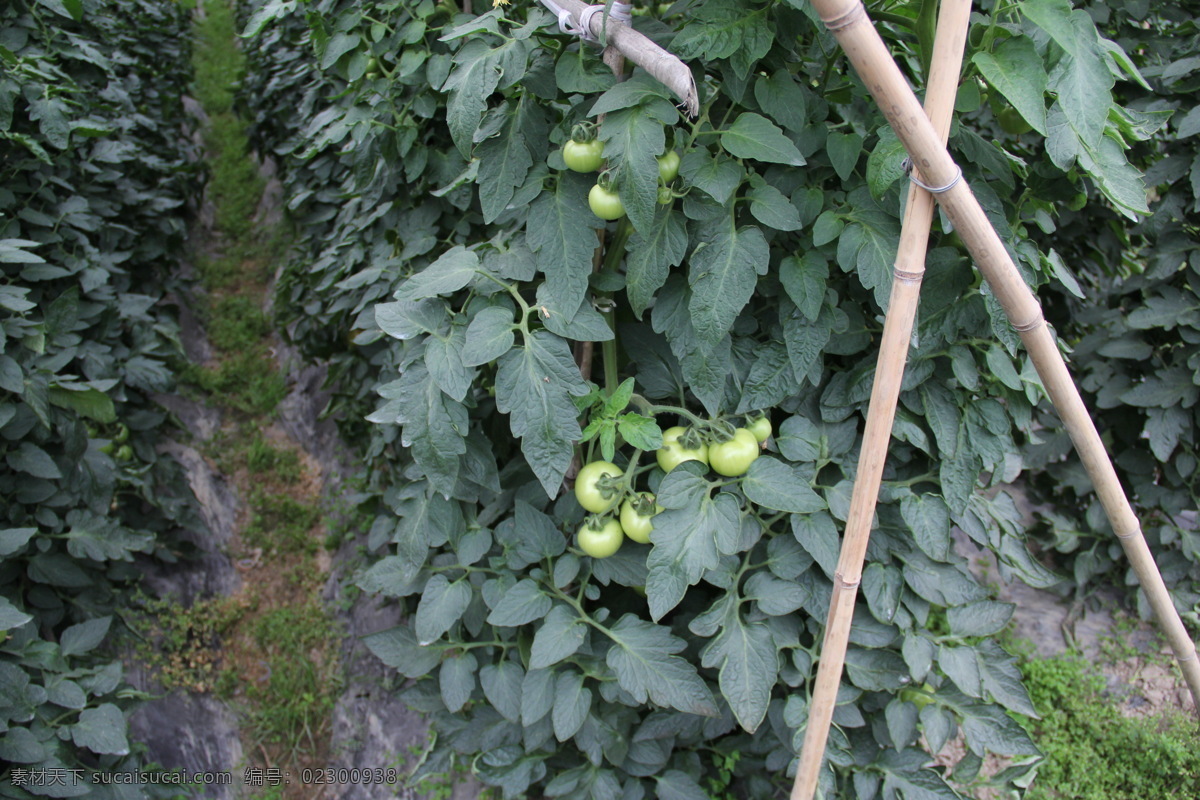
(733, 457)
(503, 339)
(600, 538)
(97, 167)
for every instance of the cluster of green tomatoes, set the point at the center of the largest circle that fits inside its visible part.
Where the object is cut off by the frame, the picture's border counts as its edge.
(600, 486)
(585, 153)
(117, 446)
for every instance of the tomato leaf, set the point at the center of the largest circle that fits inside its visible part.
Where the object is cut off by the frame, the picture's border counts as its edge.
(559, 234)
(642, 657)
(722, 275)
(442, 604)
(534, 385)
(754, 136)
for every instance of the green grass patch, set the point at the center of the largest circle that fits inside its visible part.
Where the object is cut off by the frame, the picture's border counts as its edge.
(217, 59)
(245, 381)
(281, 525)
(1094, 753)
(237, 323)
(292, 706)
(234, 185)
(263, 458)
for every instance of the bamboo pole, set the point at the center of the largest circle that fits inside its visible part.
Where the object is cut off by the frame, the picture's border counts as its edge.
(666, 68)
(953, 20)
(848, 21)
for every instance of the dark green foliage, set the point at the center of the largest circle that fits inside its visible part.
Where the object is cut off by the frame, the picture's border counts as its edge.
(93, 180)
(1135, 327)
(443, 240)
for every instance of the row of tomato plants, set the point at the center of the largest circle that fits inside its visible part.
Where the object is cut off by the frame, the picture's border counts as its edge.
(94, 173)
(506, 354)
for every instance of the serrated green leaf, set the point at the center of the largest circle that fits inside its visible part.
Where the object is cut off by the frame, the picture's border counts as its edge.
(717, 176)
(756, 137)
(456, 680)
(929, 520)
(559, 232)
(844, 150)
(632, 141)
(562, 634)
(772, 484)
(770, 381)
(534, 386)
(770, 207)
(84, 637)
(780, 96)
(804, 280)
(442, 604)
(398, 648)
(101, 730)
(489, 336)
(642, 657)
(1015, 70)
(453, 270)
(651, 255)
(985, 618)
(502, 687)
(572, 702)
(520, 605)
(688, 537)
(722, 274)
(745, 656)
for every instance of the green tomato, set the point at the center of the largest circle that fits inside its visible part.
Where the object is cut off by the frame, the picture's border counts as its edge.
(124, 453)
(634, 519)
(668, 166)
(918, 697)
(122, 435)
(108, 448)
(605, 204)
(665, 196)
(592, 490)
(601, 541)
(734, 457)
(761, 428)
(673, 452)
(1012, 122)
(584, 156)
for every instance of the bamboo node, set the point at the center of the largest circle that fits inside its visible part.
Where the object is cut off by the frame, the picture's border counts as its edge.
(904, 276)
(842, 583)
(1135, 531)
(1025, 327)
(846, 20)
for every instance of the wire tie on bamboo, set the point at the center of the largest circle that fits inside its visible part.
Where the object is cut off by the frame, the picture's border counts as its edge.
(621, 12)
(912, 176)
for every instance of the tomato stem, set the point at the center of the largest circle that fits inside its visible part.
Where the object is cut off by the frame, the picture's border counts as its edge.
(608, 349)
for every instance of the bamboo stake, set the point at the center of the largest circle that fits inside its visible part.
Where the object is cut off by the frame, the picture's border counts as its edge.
(666, 68)
(953, 20)
(848, 21)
